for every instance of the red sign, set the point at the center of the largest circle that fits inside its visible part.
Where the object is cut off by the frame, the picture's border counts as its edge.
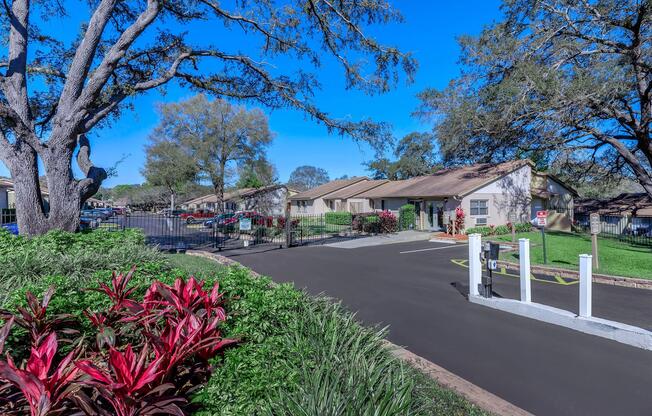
(542, 214)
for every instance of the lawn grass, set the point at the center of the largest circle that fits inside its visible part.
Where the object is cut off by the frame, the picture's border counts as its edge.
(281, 367)
(616, 258)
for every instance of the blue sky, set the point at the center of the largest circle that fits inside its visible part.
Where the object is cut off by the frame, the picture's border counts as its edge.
(429, 31)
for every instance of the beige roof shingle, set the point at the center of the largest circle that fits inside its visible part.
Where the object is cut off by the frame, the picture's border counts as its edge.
(447, 182)
(355, 189)
(327, 188)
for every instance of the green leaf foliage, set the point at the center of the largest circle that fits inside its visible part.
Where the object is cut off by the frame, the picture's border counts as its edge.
(338, 218)
(406, 217)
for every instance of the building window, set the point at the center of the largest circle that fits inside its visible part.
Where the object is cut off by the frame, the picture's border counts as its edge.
(382, 205)
(302, 205)
(481, 221)
(479, 207)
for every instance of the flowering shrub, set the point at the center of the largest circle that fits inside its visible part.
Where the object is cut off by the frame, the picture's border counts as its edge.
(146, 358)
(388, 222)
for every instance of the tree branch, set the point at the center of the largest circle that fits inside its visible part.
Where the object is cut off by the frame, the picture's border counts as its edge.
(15, 85)
(94, 175)
(102, 73)
(84, 55)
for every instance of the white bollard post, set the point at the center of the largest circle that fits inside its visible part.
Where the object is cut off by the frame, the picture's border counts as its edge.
(475, 266)
(586, 277)
(524, 262)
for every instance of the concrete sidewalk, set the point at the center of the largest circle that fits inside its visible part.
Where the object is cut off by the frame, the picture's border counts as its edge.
(379, 240)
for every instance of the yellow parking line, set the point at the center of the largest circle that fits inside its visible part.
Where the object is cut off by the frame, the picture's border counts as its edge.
(503, 272)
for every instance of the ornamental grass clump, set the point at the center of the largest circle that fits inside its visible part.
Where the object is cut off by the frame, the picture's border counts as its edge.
(147, 357)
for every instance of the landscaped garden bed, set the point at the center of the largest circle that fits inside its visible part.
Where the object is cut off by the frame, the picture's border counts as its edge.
(125, 344)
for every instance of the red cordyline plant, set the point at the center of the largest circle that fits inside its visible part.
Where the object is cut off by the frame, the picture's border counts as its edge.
(119, 292)
(191, 319)
(184, 297)
(181, 322)
(46, 392)
(35, 320)
(128, 384)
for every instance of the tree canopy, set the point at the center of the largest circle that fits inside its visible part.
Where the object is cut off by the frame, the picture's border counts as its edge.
(169, 166)
(562, 82)
(55, 88)
(307, 177)
(257, 174)
(415, 155)
(215, 138)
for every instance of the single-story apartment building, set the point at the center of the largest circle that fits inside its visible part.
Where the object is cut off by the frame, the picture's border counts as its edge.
(337, 195)
(632, 204)
(268, 200)
(627, 213)
(7, 199)
(488, 194)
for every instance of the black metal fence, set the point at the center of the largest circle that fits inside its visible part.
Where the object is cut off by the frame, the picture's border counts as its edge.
(239, 231)
(634, 230)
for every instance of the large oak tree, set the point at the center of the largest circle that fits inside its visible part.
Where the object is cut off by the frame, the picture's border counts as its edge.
(564, 82)
(53, 92)
(216, 138)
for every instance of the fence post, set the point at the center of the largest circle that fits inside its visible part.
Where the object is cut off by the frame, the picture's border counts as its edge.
(524, 263)
(475, 266)
(586, 276)
(288, 226)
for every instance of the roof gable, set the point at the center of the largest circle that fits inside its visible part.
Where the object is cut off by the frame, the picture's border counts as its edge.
(327, 188)
(447, 182)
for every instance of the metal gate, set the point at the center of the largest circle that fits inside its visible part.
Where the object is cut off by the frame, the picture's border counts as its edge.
(237, 232)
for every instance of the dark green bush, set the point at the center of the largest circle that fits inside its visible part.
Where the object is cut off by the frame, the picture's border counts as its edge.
(406, 217)
(338, 218)
(366, 222)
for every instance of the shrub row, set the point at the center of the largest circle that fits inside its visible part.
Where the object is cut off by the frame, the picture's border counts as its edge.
(338, 218)
(500, 230)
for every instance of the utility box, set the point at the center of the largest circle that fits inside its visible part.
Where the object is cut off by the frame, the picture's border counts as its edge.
(491, 253)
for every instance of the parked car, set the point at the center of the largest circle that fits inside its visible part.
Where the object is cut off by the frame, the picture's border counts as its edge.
(218, 220)
(256, 218)
(88, 222)
(175, 213)
(120, 211)
(199, 215)
(93, 214)
(12, 227)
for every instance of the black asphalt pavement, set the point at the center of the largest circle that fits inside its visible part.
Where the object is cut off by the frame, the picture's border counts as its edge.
(543, 368)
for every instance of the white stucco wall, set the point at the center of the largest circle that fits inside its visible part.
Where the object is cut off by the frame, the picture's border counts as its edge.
(313, 207)
(4, 199)
(509, 194)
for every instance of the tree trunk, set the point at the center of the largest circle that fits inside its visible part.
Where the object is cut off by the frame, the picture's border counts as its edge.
(30, 213)
(219, 198)
(64, 192)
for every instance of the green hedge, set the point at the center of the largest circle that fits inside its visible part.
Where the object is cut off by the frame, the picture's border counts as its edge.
(406, 217)
(499, 230)
(338, 218)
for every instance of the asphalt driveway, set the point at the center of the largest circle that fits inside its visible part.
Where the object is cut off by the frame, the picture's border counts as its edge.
(415, 289)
